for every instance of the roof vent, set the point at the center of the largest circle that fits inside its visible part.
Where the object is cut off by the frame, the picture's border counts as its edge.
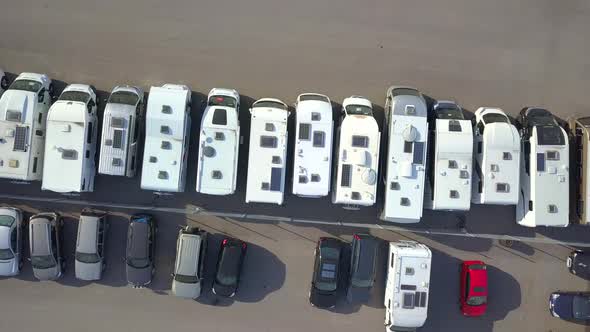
(69, 154)
(166, 109)
(494, 168)
(269, 127)
(506, 155)
(219, 136)
(276, 160)
(410, 133)
(117, 162)
(166, 145)
(454, 194)
(552, 208)
(164, 130)
(13, 163)
(14, 116)
(452, 164)
(315, 178)
(355, 195)
(302, 179)
(66, 128)
(217, 175)
(208, 151)
(404, 201)
(153, 159)
(464, 175)
(410, 110)
(117, 122)
(163, 175)
(108, 142)
(315, 116)
(265, 186)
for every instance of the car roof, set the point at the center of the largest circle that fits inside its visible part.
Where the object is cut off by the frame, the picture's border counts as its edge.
(138, 241)
(365, 264)
(230, 258)
(188, 254)
(40, 237)
(87, 234)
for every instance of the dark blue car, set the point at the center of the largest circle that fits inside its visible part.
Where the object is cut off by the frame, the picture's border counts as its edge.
(570, 306)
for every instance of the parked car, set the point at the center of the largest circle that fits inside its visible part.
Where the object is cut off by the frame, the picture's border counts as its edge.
(90, 258)
(229, 266)
(141, 249)
(191, 254)
(363, 266)
(327, 275)
(571, 306)
(578, 262)
(46, 245)
(11, 241)
(474, 288)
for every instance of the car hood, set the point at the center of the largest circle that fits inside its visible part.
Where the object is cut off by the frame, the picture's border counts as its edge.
(190, 291)
(139, 277)
(9, 267)
(51, 273)
(85, 271)
(322, 299)
(563, 306)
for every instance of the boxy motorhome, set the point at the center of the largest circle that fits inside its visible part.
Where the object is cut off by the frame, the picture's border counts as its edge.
(168, 125)
(407, 286)
(120, 132)
(312, 160)
(23, 117)
(544, 179)
(497, 158)
(219, 143)
(451, 159)
(407, 133)
(355, 179)
(267, 162)
(70, 144)
(579, 130)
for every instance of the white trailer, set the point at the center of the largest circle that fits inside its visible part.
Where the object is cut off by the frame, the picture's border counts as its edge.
(312, 162)
(267, 160)
(407, 133)
(23, 118)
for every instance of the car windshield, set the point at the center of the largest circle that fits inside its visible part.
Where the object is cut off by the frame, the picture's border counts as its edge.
(494, 117)
(186, 279)
(6, 221)
(124, 97)
(6, 254)
(222, 101)
(25, 85)
(269, 103)
(581, 307)
(87, 258)
(75, 96)
(227, 274)
(358, 110)
(477, 300)
(138, 263)
(43, 262)
(450, 113)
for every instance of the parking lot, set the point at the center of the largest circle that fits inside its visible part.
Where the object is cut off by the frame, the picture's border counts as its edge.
(502, 53)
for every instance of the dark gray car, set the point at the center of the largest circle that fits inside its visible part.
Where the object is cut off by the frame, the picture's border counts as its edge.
(363, 265)
(139, 261)
(46, 245)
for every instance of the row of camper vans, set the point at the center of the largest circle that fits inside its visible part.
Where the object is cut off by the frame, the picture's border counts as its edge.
(434, 159)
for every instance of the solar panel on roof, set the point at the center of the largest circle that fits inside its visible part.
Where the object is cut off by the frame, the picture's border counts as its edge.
(418, 153)
(275, 179)
(117, 139)
(117, 122)
(346, 175)
(304, 131)
(20, 139)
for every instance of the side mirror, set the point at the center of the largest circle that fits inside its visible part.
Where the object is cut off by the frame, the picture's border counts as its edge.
(172, 275)
(29, 259)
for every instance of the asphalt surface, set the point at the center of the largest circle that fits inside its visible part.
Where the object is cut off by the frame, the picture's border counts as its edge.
(481, 53)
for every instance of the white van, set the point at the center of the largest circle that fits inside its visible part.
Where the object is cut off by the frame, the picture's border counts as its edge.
(23, 118)
(407, 286)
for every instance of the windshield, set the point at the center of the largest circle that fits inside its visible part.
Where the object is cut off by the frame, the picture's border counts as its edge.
(124, 97)
(449, 113)
(494, 117)
(222, 101)
(358, 110)
(138, 263)
(25, 85)
(581, 307)
(87, 258)
(477, 300)
(272, 104)
(6, 221)
(186, 279)
(6, 254)
(43, 262)
(75, 96)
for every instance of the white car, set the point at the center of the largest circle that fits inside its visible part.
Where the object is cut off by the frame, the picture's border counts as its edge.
(3, 82)
(11, 241)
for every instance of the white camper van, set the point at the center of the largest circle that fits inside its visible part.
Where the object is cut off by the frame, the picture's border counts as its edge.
(497, 158)
(312, 163)
(355, 179)
(23, 116)
(451, 159)
(3, 82)
(407, 130)
(219, 143)
(70, 144)
(267, 160)
(120, 132)
(167, 131)
(544, 177)
(407, 286)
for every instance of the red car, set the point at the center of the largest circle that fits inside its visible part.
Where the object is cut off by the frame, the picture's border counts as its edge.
(474, 288)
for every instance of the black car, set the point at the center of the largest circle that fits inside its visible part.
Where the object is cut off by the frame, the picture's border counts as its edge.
(229, 266)
(570, 306)
(141, 249)
(578, 262)
(548, 129)
(327, 273)
(363, 266)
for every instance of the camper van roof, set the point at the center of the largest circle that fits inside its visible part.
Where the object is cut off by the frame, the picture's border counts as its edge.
(313, 146)
(167, 121)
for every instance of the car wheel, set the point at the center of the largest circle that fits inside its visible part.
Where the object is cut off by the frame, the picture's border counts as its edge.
(4, 83)
(63, 266)
(20, 265)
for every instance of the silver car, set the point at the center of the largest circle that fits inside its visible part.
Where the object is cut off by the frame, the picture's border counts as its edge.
(46, 245)
(191, 253)
(89, 258)
(11, 241)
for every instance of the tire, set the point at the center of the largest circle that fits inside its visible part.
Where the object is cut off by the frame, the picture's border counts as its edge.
(4, 83)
